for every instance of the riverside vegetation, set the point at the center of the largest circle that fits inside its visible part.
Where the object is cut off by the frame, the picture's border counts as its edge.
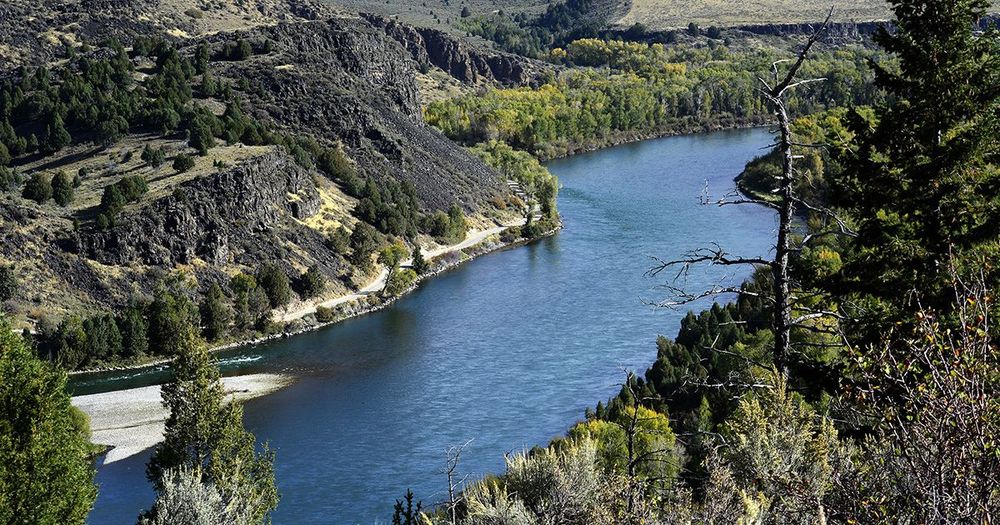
(885, 409)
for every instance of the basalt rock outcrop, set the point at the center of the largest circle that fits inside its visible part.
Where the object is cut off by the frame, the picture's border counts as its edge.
(344, 80)
(461, 60)
(243, 212)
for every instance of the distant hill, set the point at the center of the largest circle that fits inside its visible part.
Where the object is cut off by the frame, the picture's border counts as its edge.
(668, 14)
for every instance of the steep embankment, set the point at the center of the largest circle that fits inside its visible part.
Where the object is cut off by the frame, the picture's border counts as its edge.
(311, 75)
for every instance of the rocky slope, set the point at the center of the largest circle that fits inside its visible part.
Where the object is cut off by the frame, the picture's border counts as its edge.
(339, 79)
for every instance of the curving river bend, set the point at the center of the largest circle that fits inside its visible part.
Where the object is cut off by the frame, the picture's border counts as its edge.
(507, 350)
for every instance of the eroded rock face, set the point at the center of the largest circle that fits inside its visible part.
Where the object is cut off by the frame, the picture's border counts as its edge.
(463, 61)
(212, 218)
(344, 80)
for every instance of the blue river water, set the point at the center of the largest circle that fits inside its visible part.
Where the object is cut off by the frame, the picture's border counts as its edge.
(506, 351)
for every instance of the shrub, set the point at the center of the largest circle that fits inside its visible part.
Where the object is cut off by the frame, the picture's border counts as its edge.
(325, 315)
(153, 156)
(183, 163)
(62, 188)
(38, 188)
(399, 282)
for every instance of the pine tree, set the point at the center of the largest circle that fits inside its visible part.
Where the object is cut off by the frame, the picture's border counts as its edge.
(924, 181)
(8, 283)
(56, 136)
(46, 474)
(215, 314)
(204, 432)
(132, 326)
(420, 265)
(364, 241)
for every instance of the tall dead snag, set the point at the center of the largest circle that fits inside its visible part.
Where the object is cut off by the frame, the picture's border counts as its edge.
(786, 314)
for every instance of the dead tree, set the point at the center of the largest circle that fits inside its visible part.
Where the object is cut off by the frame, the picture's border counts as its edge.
(786, 315)
(454, 494)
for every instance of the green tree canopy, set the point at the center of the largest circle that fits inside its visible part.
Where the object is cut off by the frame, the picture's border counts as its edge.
(46, 473)
(924, 180)
(205, 433)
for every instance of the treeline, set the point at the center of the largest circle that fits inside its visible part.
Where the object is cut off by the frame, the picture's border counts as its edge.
(534, 178)
(561, 23)
(141, 329)
(651, 89)
(207, 469)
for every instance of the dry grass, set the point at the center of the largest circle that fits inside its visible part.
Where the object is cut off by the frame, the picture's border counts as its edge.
(667, 14)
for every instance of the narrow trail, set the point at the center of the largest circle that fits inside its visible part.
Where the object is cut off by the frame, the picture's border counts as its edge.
(472, 238)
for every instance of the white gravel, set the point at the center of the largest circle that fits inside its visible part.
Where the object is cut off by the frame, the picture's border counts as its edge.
(131, 421)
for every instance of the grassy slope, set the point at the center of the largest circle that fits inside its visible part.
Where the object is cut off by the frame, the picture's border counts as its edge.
(665, 14)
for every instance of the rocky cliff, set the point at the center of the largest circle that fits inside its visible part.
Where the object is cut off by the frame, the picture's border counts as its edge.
(461, 60)
(240, 215)
(342, 80)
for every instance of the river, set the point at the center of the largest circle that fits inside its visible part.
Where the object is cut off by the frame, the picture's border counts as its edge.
(506, 351)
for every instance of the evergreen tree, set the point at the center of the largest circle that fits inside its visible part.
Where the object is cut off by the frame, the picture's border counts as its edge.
(153, 156)
(62, 188)
(183, 162)
(205, 433)
(56, 136)
(104, 340)
(46, 473)
(8, 283)
(215, 314)
(170, 313)
(340, 241)
(132, 326)
(364, 242)
(312, 282)
(202, 56)
(273, 280)
(250, 302)
(201, 137)
(420, 265)
(923, 182)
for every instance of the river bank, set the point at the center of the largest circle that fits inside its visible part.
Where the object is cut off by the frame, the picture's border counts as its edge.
(687, 128)
(506, 351)
(131, 421)
(302, 317)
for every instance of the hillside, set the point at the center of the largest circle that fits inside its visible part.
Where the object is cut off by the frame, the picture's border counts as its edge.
(298, 121)
(668, 14)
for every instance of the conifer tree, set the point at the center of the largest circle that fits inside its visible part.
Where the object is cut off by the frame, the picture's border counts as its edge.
(206, 433)
(924, 180)
(62, 188)
(46, 474)
(215, 314)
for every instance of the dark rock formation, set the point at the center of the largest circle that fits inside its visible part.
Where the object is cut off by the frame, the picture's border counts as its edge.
(215, 218)
(463, 61)
(341, 79)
